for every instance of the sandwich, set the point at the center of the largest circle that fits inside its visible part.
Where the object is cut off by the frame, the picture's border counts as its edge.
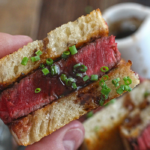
(135, 129)
(121, 124)
(49, 83)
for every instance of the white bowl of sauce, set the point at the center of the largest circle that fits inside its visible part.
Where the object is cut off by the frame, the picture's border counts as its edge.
(130, 23)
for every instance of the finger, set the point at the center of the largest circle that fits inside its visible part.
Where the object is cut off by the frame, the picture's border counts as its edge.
(68, 137)
(10, 43)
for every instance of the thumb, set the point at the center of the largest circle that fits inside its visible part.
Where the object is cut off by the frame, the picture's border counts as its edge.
(10, 43)
(67, 138)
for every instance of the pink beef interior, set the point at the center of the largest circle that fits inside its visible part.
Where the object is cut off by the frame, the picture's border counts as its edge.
(143, 141)
(21, 99)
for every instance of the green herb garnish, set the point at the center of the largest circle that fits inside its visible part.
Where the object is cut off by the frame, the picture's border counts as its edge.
(37, 90)
(83, 68)
(73, 50)
(24, 61)
(85, 78)
(90, 114)
(63, 77)
(35, 58)
(49, 61)
(54, 70)
(110, 102)
(146, 94)
(42, 66)
(74, 85)
(45, 71)
(79, 75)
(94, 77)
(38, 53)
(65, 54)
(127, 80)
(116, 82)
(104, 69)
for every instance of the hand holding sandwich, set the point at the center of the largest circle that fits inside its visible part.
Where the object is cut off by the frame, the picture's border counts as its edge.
(68, 137)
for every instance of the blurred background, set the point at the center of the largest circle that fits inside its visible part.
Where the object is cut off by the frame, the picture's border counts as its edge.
(36, 18)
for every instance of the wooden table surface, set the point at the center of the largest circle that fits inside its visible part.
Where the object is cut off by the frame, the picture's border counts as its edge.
(57, 12)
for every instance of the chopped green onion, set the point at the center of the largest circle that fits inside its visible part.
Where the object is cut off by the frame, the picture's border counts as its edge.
(42, 66)
(37, 90)
(115, 82)
(130, 89)
(69, 81)
(123, 88)
(126, 87)
(24, 61)
(73, 50)
(94, 77)
(35, 58)
(102, 83)
(65, 54)
(45, 71)
(54, 70)
(49, 61)
(105, 76)
(79, 75)
(83, 68)
(38, 53)
(105, 91)
(77, 65)
(127, 80)
(85, 78)
(90, 114)
(104, 69)
(74, 85)
(110, 102)
(146, 94)
(101, 102)
(103, 98)
(120, 90)
(63, 77)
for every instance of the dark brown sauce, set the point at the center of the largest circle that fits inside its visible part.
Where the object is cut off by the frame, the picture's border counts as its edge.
(132, 122)
(125, 27)
(128, 102)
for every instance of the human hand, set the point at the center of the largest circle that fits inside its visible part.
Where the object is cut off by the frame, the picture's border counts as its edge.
(68, 137)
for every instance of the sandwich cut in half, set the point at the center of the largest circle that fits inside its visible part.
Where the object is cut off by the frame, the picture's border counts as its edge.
(121, 125)
(75, 69)
(135, 130)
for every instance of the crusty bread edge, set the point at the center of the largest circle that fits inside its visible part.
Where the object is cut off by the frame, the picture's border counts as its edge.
(92, 141)
(48, 119)
(13, 61)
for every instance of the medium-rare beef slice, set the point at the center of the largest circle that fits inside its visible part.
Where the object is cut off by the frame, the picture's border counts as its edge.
(135, 130)
(21, 99)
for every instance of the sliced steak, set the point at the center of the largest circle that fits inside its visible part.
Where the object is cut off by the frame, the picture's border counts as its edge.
(135, 130)
(21, 99)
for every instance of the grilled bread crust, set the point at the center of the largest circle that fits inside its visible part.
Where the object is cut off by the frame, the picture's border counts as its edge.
(48, 119)
(83, 30)
(106, 135)
(138, 120)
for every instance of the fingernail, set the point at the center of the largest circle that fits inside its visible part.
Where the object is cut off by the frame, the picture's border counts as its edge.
(72, 139)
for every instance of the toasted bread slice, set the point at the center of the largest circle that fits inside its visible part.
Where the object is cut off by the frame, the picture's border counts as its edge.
(102, 130)
(135, 130)
(46, 120)
(83, 30)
